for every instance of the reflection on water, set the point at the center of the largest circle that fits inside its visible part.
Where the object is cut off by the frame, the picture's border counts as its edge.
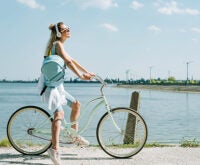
(170, 116)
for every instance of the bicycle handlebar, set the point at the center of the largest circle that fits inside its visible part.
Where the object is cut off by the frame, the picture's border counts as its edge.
(98, 78)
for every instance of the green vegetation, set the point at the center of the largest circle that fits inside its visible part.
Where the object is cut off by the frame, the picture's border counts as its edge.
(156, 144)
(4, 143)
(157, 81)
(183, 143)
(169, 81)
(189, 143)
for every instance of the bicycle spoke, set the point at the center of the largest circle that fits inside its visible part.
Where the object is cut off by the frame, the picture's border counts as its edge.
(23, 124)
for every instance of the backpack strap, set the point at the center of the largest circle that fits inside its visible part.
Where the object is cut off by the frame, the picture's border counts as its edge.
(53, 49)
(43, 90)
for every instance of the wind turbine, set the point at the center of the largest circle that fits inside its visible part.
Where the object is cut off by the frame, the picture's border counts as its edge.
(127, 74)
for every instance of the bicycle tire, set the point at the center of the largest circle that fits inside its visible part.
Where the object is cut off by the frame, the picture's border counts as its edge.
(126, 143)
(21, 122)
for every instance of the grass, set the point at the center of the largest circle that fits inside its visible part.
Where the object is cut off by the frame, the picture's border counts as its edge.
(4, 143)
(189, 143)
(156, 144)
(147, 145)
(183, 143)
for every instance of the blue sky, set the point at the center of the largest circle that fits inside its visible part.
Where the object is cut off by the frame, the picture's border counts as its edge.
(108, 37)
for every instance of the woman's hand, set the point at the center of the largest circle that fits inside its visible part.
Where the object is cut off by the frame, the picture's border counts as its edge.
(87, 76)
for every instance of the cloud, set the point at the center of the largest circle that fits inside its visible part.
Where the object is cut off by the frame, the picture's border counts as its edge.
(136, 5)
(173, 8)
(110, 27)
(32, 4)
(101, 4)
(196, 29)
(154, 28)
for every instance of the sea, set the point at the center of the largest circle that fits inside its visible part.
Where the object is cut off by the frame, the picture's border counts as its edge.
(170, 116)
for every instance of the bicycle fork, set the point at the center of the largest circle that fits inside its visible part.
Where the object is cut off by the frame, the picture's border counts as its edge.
(110, 114)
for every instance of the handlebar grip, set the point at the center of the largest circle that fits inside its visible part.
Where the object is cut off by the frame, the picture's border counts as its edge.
(98, 78)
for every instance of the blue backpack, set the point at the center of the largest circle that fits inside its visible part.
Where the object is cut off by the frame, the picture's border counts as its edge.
(53, 69)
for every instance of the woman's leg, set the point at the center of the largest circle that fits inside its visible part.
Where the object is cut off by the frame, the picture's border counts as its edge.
(56, 124)
(75, 113)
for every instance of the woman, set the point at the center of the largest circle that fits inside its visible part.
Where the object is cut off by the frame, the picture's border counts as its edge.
(57, 96)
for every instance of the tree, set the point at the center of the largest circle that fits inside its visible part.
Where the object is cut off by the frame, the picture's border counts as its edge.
(172, 79)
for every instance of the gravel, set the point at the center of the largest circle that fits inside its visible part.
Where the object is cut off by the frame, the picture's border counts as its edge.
(92, 156)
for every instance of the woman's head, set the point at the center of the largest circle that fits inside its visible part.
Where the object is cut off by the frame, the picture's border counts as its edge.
(59, 30)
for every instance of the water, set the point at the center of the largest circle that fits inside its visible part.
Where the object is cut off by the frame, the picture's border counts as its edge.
(170, 116)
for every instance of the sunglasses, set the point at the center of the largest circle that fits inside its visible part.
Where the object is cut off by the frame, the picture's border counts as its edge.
(65, 30)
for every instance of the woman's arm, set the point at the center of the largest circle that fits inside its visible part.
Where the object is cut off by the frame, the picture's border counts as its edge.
(86, 74)
(72, 64)
(79, 66)
(68, 61)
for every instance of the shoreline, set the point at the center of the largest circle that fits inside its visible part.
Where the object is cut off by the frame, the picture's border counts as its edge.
(173, 88)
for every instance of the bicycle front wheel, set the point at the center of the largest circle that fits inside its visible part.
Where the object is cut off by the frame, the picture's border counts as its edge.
(122, 133)
(24, 127)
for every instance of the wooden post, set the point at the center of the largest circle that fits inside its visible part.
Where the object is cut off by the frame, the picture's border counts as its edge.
(131, 121)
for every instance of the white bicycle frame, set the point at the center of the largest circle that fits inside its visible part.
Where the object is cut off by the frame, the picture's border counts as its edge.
(102, 100)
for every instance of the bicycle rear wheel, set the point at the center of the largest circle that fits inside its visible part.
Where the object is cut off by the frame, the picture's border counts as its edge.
(126, 140)
(23, 130)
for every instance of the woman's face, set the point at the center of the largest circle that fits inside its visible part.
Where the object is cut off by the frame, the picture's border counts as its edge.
(65, 31)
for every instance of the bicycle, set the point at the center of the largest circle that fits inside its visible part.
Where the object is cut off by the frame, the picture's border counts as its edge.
(121, 132)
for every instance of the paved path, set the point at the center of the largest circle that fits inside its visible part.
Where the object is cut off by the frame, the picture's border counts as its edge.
(95, 156)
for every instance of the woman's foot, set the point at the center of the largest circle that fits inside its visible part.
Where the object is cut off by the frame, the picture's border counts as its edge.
(54, 155)
(80, 141)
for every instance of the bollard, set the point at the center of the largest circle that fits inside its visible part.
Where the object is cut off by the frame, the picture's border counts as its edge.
(131, 121)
